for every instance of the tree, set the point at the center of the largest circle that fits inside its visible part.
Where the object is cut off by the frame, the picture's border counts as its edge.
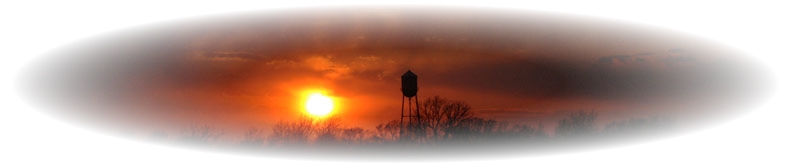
(291, 133)
(528, 132)
(579, 123)
(387, 132)
(353, 136)
(327, 131)
(639, 126)
(254, 137)
(473, 129)
(441, 116)
(200, 134)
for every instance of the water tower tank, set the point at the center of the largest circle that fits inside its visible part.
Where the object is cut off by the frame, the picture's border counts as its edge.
(409, 84)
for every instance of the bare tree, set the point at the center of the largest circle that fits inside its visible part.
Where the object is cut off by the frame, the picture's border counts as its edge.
(648, 125)
(472, 129)
(528, 132)
(387, 132)
(200, 134)
(459, 118)
(291, 133)
(354, 136)
(433, 116)
(441, 117)
(579, 123)
(254, 137)
(328, 131)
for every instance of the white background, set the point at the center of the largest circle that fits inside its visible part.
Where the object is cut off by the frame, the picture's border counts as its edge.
(757, 27)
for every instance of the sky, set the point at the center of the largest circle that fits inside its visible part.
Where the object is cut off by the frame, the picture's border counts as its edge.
(29, 134)
(252, 69)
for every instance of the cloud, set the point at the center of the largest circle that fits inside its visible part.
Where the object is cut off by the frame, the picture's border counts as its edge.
(498, 63)
(612, 58)
(222, 56)
(330, 69)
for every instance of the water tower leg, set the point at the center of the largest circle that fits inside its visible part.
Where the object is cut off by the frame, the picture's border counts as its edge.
(401, 121)
(418, 118)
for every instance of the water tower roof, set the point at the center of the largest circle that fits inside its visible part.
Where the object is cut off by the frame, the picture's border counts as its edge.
(409, 74)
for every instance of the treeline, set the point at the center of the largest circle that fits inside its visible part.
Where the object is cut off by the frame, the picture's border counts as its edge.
(443, 121)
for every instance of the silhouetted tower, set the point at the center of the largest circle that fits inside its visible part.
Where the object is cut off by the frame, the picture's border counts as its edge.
(409, 88)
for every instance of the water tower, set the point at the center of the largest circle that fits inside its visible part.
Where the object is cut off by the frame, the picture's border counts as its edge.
(412, 127)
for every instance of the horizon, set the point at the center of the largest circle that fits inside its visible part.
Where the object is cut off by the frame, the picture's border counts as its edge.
(222, 75)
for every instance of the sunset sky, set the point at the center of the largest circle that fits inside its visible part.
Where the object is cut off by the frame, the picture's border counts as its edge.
(254, 69)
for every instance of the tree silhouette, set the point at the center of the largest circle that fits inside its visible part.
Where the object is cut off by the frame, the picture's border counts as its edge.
(291, 133)
(576, 124)
(527, 132)
(473, 129)
(200, 134)
(442, 117)
(445, 122)
(387, 132)
(254, 137)
(354, 136)
(328, 131)
(640, 126)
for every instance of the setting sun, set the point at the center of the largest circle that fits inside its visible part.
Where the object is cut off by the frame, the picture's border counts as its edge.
(318, 104)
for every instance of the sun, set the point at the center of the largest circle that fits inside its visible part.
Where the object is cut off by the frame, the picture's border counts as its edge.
(318, 104)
